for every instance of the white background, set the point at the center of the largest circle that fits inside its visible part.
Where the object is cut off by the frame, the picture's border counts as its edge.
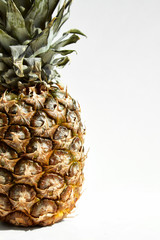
(116, 79)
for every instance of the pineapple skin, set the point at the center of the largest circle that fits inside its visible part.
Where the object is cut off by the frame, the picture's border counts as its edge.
(41, 155)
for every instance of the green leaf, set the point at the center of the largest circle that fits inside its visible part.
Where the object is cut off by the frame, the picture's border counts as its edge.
(48, 56)
(61, 18)
(3, 7)
(76, 31)
(52, 6)
(2, 51)
(6, 40)
(63, 62)
(72, 39)
(2, 25)
(61, 41)
(34, 67)
(49, 74)
(15, 22)
(10, 77)
(37, 14)
(3, 66)
(39, 45)
(67, 14)
(8, 61)
(68, 3)
(64, 52)
(18, 53)
(60, 62)
(58, 20)
(23, 5)
(43, 42)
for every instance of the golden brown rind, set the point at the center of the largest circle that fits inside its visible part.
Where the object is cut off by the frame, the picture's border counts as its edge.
(41, 156)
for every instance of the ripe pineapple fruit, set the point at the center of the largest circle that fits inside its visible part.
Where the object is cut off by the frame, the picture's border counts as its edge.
(41, 133)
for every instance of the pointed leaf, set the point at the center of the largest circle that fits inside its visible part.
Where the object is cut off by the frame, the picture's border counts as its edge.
(76, 31)
(47, 56)
(10, 77)
(3, 67)
(37, 14)
(65, 52)
(73, 39)
(63, 62)
(52, 6)
(6, 40)
(68, 3)
(58, 20)
(60, 62)
(3, 7)
(18, 53)
(42, 43)
(49, 74)
(8, 61)
(23, 5)
(34, 67)
(2, 25)
(15, 22)
(2, 51)
(56, 61)
(39, 45)
(61, 17)
(67, 14)
(64, 19)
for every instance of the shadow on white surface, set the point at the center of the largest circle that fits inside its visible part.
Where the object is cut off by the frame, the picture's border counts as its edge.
(6, 227)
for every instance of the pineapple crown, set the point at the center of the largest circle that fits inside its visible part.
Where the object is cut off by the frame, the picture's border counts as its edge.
(30, 50)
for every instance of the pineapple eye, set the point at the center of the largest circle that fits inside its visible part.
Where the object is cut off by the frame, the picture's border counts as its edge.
(6, 151)
(27, 167)
(38, 120)
(43, 207)
(4, 203)
(3, 119)
(71, 116)
(19, 218)
(5, 176)
(60, 156)
(74, 169)
(50, 104)
(13, 110)
(66, 193)
(21, 107)
(19, 131)
(61, 132)
(24, 193)
(40, 145)
(76, 145)
(51, 180)
(11, 96)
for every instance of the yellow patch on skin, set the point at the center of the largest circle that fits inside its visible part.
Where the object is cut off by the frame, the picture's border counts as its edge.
(59, 214)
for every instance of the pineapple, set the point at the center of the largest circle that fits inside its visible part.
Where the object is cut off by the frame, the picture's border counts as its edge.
(41, 133)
